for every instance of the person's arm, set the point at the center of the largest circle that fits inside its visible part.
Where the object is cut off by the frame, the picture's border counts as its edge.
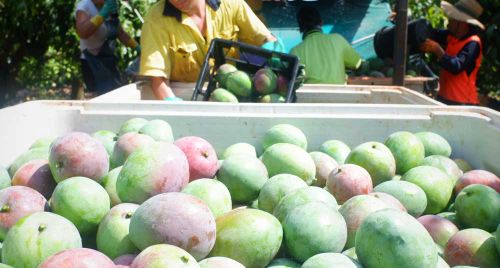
(125, 38)
(155, 61)
(161, 88)
(86, 25)
(352, 59)
(464, 60)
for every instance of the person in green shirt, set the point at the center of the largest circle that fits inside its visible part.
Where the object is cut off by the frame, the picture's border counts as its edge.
(325, 56)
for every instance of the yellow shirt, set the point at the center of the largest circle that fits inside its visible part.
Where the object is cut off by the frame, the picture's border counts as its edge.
(176, 50)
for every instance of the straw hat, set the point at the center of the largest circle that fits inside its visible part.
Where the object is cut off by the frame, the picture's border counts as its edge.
(464, 10)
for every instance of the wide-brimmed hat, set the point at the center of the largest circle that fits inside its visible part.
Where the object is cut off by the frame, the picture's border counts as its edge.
(464, 10)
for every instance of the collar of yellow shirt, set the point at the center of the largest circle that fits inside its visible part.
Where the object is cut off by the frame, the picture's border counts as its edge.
(212, 6)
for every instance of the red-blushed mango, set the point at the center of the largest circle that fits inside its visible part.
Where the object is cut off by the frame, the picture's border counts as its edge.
(31, 154)
(201, 156)
(174, 218)
(78, 258)
(36, 175)
(437, 185)
(478, 176)
(284, 133)
(113, 232)
(389, 200)
(126, 144)
(82, 201)
(376, 158)
(325, 164)
(407, 149)
(355, 211)
(451, 216)
(389, 238)
(220, 262)
(348, 180)
(164, 255)
(36, 237)
(17, 202)
(276, 188)
(243, 176)
(250, 236)
(265, 81)
(314, 228)
(223, 73)
(159, 168)
(440, 229)
(124, 261)
(409, 194)
(78, 154)
(473, 247)
(290, 159)
(478, 206)
(213, 192)
(282, 85)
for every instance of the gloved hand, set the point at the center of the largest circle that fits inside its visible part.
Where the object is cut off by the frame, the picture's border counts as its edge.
(173, 99)
(109, 7)
(276, 46)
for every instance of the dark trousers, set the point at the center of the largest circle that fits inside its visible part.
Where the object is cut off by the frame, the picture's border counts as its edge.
(88, 77)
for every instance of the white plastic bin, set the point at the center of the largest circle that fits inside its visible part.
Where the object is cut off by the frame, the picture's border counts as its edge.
(473, 132)
(309, 93)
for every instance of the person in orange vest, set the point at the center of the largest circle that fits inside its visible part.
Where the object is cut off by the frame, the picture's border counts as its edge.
(458, 50)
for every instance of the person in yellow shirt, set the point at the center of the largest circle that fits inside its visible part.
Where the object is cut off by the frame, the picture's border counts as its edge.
(177, 33)
(325, 56)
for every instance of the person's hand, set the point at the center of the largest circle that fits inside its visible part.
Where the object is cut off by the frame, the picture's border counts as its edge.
(429, 46)
(173, 99)
(109, 7)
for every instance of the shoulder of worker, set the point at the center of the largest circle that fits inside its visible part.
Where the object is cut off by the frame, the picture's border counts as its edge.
(337, 36)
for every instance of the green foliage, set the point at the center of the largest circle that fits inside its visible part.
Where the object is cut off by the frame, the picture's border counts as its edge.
(39, 48)
(488, 79)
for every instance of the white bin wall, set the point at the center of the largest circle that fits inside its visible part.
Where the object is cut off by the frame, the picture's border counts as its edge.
(472, 136)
